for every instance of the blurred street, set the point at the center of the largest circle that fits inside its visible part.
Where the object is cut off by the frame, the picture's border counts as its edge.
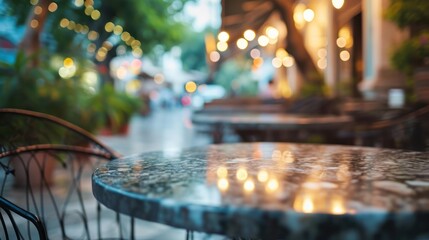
(163, 129)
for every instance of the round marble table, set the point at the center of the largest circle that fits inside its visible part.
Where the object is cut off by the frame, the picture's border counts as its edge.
(274, 190)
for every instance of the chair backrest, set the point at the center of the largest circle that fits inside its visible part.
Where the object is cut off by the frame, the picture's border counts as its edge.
(45, 171)
(7, 218)
(408, 131)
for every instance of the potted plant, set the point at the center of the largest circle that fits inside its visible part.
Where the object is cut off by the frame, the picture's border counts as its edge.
(113, 110)
(412, 56)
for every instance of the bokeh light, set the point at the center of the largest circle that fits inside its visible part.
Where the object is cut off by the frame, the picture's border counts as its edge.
(249, 35)
(223, 36)
(190, 87)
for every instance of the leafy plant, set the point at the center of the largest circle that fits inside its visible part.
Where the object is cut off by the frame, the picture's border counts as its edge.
(409, 13)
(112, 109)
(411, 54)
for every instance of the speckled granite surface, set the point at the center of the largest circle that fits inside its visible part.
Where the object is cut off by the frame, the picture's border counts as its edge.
(275, 190)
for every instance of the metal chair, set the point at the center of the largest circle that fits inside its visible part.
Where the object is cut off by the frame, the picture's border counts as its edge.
(408, 131)
(51, 201)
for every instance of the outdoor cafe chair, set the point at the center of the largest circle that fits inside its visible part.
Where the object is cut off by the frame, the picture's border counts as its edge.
(407, 131)
(45, 187)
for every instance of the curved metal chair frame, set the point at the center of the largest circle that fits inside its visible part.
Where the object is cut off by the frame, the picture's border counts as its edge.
(29, 142)
(409, 131)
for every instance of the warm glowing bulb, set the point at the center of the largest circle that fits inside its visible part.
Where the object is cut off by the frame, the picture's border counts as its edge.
(78, 3)
(117, 29)
(308, 15)
(341, 42)
(277, 62)
(190, 86)
(214, 56)
(223, 36)
(222, 46)
(344, 55)
(338, 3)
(242, 43)
(255, 53)
(109, 27)
(88, 10)
(34, 23)
(64, 22)
(322, 63)
(272, 32)
(125, 36)
(263, 40)
(322, 52)
(281, 53)
(68, 62)
(249, 35)
(95, 15)
(137, 52)
(92, 35)
(52, 7)
(288, 61)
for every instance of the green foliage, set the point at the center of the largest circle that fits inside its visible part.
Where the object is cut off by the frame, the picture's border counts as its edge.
(194, 52)
(112, 109)
(315, 87)
(409, 12)
(152, 22)
(411, 54)
(235, 76)
(40, 89)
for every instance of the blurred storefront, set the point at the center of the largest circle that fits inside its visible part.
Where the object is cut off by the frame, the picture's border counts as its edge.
(349, 41)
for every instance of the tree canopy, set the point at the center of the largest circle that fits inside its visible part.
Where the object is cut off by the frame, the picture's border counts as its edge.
(137, 24)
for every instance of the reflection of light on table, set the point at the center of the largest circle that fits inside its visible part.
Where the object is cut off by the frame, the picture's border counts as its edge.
(272, 185)
(307, 204)
(223, 184)
(242, 174)
(222, 172)
(262, 176)
(249, 185)
(338, 206)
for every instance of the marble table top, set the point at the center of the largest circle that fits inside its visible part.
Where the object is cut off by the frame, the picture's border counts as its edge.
(274, 190)
(273, 120)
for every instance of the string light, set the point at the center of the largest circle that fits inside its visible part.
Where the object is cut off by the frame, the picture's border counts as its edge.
(223, 36)
(263, 40)
(52, 7)
(222, 46)
(214, 56)
(34, 23)
(308, 15)
(338, 3)
(242, 43)
(95, 15)
(272, 32)
(249, 35)
(38, 10)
